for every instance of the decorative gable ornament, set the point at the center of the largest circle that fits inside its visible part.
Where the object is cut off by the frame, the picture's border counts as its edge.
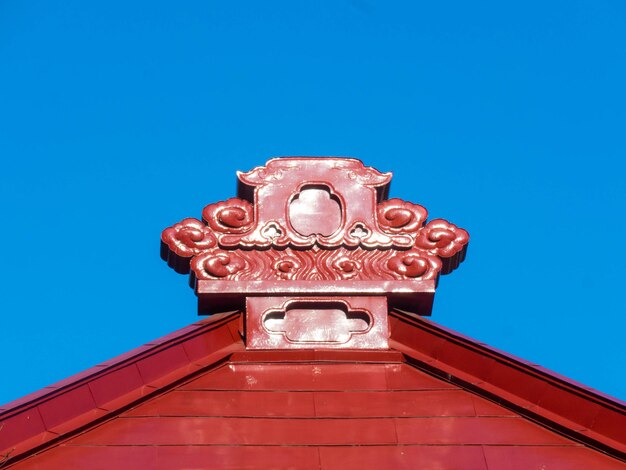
(315, 254)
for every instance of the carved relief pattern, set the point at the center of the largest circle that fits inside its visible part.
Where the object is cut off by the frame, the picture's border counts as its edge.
(438, 239)
(218, 264)
(229, 217)
(398, 216)
(442, 238)
(341, 322)
(414, 264)
(368, 176)
(385, 240)
(266, 174)
(189, 237)
(332, 265)
(347, 268)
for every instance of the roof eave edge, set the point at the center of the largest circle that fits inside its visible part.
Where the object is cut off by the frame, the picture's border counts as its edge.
(532, 391)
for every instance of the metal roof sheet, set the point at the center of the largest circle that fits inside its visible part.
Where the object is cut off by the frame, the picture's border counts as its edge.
(197, 398)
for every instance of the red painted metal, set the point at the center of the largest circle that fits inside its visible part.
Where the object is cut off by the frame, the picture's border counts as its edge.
(405, 404)
(320, 403)
(303, 203)
(403, 457)
(314, 228)
(523, 458)
(465, 457)
(229, 403)
(218, 296)
(309, 322)
(333, 408)
(559, 403)
(258, 411)
(315, 256)
(40, 419)
(318, 376)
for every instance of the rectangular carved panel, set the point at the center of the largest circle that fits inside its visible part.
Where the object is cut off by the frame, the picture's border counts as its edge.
(316, 322)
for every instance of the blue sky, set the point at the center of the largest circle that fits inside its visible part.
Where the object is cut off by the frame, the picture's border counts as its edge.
(118, 119)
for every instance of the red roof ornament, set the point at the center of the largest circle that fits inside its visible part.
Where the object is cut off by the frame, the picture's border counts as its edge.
(315, 251)
(203, 396)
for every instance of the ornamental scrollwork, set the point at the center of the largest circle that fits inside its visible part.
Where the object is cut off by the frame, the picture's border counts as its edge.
(347, 268)
(278, 232)
(189, 237)
(442, 238)
(231, 216)
(217, 264)
(287, 267)
(415, 264)
(398, 216)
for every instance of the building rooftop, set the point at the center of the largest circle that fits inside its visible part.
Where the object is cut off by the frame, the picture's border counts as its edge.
(320, 355)
(435, 398)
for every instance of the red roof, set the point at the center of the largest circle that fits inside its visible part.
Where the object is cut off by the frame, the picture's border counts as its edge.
(316, 365)
(195, 398)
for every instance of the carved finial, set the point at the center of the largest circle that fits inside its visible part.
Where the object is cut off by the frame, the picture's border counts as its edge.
(319, 227)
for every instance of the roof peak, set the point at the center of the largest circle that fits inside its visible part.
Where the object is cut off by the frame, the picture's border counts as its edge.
(68, 409)
(314, 251)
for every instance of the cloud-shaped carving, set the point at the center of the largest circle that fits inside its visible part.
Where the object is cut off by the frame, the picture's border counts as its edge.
(442, 238)
(317, 325)
(398, 216)
(415, 264)
(188, 237)
(217, 264)
(231, 216)
(313, 211)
